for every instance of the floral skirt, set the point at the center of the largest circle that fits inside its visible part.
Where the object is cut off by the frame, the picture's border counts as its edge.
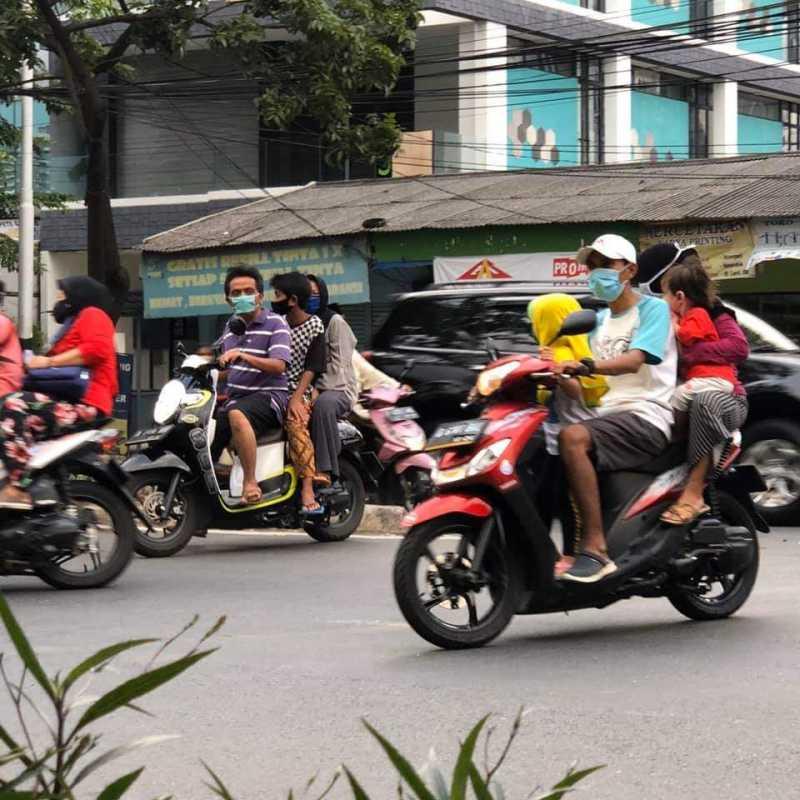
(25, 418)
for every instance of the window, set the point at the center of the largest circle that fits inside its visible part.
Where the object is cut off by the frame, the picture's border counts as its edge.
(539, 55)
(594, 5)
(756, 105)
(700, 12)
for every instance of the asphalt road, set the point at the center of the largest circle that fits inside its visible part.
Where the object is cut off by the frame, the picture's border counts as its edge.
(314, 642)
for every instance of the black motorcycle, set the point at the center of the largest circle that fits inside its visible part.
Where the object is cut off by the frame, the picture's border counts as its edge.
(173, 476)
(80, 532)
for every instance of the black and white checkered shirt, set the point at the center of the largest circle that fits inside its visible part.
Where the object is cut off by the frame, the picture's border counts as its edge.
(303, 337)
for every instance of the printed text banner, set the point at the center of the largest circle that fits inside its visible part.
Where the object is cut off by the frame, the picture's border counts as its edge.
(725, 247)
(775, 239)
(555, 269)
(190, 286)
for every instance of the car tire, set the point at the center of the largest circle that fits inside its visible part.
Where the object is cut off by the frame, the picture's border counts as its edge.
(773, 446)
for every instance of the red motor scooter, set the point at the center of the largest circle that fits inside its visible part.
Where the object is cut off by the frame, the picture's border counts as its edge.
(480, 551)
(397, 442)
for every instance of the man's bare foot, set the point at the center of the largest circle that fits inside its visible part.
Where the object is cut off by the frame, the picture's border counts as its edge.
(307, 497)
(14, 498)
(563, 564)
(251, 493)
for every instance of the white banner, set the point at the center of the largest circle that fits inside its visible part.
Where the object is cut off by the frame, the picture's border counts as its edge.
(775, 239)
(556, 269)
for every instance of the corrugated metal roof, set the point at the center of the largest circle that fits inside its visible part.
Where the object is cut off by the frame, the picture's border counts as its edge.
(733, 188)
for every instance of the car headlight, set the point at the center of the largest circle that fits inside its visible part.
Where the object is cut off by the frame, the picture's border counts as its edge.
(169, 401)
(490, 379)
(482, 461)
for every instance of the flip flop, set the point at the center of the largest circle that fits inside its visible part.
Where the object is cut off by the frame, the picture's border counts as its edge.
(680, 514)
(589, 568)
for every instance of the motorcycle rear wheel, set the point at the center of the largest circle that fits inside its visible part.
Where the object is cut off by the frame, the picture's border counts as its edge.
(736, 588)
(502, 590)
(113, 519)
(348, 520)
(177, 530)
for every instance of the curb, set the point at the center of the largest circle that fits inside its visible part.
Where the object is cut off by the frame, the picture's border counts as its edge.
(382, 520)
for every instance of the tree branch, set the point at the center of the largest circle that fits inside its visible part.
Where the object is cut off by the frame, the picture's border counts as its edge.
(114, 19)
(116, 51)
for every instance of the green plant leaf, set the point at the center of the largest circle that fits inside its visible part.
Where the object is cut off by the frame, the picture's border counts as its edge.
(100, 658)
(142, 684)
(121, 785)
(568, 781)
(458, 789)
(407, 772)
(358, 791)
(479, 784)
(8, 740)
(23, 647)
(10, 794)
(123, 749)
(218, 787)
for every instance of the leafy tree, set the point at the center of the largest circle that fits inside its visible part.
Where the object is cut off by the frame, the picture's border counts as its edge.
(339, 49)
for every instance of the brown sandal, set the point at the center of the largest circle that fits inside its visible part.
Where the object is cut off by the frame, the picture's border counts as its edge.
(680, 514)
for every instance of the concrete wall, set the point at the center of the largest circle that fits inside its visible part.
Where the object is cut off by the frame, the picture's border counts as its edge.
(438, 111)
(182, 145)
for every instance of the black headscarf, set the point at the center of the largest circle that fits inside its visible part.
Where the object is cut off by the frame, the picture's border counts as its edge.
(325, 313)
(82, 292)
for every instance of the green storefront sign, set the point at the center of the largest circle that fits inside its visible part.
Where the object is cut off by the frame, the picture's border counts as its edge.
(192, 284)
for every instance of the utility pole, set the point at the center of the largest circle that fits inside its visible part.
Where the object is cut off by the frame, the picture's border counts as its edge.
(26, 215)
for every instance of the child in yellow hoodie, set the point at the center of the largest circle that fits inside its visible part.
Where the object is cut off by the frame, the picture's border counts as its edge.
(574, 399)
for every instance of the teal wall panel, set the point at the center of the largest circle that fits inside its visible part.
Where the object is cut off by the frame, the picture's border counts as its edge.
(759, 135)
(543, 119)
(761, 29)
(661, 128)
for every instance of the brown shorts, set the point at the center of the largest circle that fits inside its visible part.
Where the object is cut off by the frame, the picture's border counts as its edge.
(624, 441)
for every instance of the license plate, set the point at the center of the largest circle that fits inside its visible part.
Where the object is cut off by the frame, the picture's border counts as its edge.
(401, 414)
(457, 434)
(149, 436)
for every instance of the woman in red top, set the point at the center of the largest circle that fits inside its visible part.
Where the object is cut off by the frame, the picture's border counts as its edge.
(86, 338)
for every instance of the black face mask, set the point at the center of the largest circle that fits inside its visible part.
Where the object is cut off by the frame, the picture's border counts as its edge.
(61, 311)
(280, 307)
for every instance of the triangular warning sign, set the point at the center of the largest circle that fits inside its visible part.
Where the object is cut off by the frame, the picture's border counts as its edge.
(484, 270)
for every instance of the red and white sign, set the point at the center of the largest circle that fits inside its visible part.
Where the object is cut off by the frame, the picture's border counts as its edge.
(556, 269)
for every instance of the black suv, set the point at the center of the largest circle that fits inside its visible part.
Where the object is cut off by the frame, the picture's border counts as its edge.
(443, 336)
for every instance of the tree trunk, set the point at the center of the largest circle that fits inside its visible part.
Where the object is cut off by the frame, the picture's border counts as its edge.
(102, 250)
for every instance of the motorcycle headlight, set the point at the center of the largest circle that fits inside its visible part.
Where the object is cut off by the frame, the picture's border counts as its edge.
(490, 379)
(482, 461)
(169, 401)
(485, 459)
(191, 398)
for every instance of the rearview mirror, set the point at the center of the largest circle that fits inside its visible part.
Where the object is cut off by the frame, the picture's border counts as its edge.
(583, 321)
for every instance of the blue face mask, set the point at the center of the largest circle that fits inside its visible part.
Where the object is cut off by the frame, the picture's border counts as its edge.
(244, 303)
(604, 284)
(312, 306)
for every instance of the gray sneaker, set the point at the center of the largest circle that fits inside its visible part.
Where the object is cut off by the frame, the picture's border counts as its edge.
(589, 568)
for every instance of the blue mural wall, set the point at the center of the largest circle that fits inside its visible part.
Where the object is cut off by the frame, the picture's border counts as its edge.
(760, 30)
(543, 119)
(661, 12)
(660, 128)
(759, 135)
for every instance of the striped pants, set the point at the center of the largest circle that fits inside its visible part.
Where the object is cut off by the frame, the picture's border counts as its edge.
(713, 418)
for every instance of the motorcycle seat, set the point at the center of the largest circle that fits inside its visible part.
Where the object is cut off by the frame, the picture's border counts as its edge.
(271, 437)
(673, 456)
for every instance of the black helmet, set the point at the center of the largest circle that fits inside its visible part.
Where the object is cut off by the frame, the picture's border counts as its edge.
(656, 260)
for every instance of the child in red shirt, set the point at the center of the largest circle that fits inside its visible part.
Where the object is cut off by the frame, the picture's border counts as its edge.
(690, 294)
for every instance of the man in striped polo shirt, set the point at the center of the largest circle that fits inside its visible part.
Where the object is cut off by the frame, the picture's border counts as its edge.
(256, 360)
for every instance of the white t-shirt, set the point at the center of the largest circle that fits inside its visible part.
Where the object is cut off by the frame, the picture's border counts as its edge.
(647, 393)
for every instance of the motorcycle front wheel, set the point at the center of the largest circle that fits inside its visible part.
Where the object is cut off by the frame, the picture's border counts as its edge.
(105, 548)
(438, 593)
(713, 593)
(171, 532)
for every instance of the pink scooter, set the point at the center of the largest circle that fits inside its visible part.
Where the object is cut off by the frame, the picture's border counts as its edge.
(401, 471)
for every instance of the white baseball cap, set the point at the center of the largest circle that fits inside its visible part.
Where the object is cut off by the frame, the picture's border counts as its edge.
(611, 246)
